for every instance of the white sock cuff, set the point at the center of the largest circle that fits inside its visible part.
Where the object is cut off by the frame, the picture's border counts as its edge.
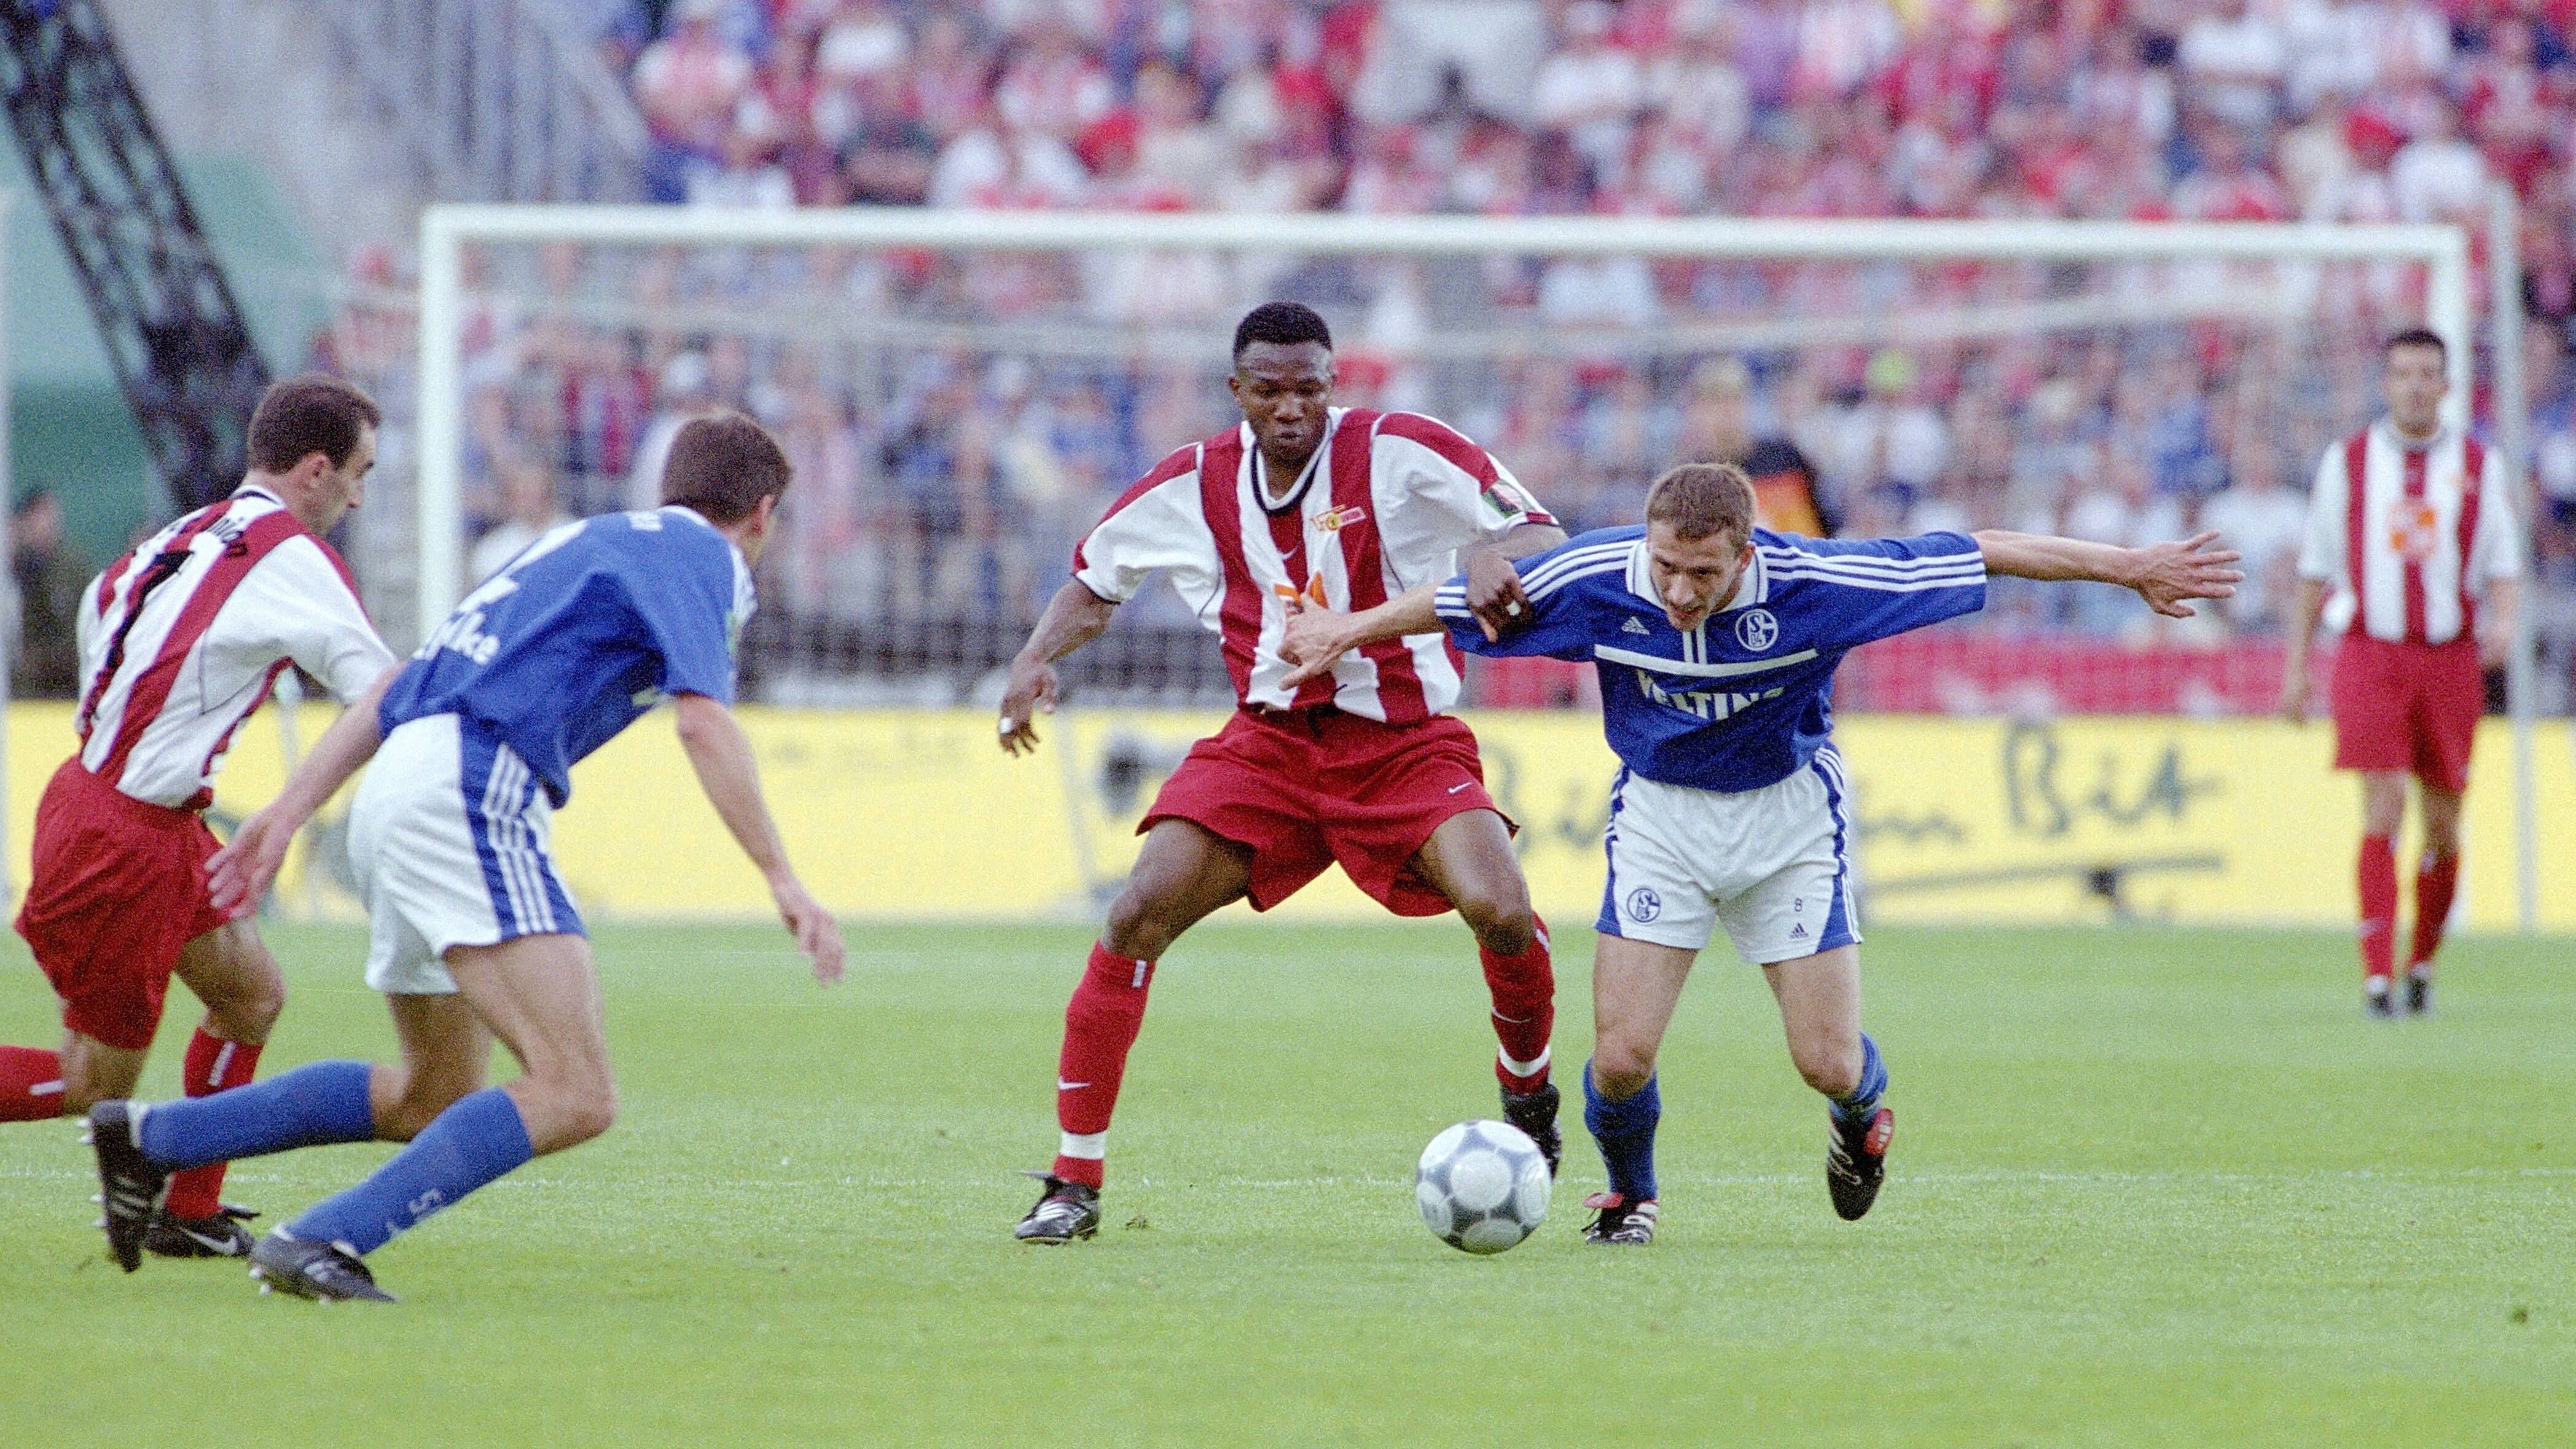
(1529, 1068)
(1090, 1147)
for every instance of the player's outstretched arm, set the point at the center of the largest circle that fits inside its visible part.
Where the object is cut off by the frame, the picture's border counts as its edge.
(721, 755)
(1318, 636)
(1494, 593)
(2166, 575)
(240, 873)
(1073, 618)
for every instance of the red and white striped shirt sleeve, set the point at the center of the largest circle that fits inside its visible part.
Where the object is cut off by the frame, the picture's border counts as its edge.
(1432, 465)
(305, 606)
(1160, 523)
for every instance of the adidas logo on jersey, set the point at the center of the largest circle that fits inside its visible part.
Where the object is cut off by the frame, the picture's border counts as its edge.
(1635, 626)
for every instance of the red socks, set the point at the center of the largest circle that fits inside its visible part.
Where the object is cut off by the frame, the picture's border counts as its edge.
(1099, 1026)
(213, 1065)
(2436, 881)
(1524, 991)
(2378, 880)
(31, 1084)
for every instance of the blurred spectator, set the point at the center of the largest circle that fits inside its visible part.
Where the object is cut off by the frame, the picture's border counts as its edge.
(1887, 434)
(687, 389)
(2259, 515)
(2438, 176)
(1589, 88)
(2236, 58)
(1717, 427)
(530, 510)
(971, 411)
(690, 85)
(1418, 50)
(50, 575)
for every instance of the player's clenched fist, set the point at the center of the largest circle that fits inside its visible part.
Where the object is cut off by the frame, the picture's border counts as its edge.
(1494, 594)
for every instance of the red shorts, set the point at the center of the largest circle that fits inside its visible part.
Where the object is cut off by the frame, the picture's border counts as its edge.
(119, 887)
(1307, 788)
(2411, 707)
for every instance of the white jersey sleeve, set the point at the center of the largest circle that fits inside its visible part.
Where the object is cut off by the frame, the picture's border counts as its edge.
(2495, 552)
(1160, 523)
(1438, 493)
(85, 627)
(300, 599)
(2321, 549)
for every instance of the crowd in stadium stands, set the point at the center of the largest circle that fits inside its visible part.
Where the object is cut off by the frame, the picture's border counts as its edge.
(949, 481)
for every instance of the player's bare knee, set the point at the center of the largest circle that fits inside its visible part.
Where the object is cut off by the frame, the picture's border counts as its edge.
(587, 1111)
(1621, 1070)
(1138, 928)
(1501, 919)
(80, 1094)
(248, 1016)
(1832, 1068)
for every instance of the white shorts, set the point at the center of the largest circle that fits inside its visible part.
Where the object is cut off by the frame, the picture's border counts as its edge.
(1773, 864)
(449, 836)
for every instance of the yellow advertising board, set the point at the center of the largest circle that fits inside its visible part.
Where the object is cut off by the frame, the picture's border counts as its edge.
(917, 814)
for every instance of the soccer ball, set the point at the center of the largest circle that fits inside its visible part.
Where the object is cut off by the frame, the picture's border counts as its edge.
(1482, 1186)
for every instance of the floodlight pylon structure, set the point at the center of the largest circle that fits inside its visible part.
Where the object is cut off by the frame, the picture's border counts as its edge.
(178, 341)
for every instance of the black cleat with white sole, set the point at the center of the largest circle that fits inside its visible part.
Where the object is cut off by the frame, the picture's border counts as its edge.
(328, 1272)
(1065, 1211)
(219, 1236)
(130, 1185)
(1535, 1114)
(1619, 1221)
(1856, 1160)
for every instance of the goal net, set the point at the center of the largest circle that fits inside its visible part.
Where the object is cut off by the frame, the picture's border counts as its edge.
(964, 392)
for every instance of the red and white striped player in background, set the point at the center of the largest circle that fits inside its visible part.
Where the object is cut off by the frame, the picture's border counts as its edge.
(1342, 507)
(179, 641)
(2412, 558)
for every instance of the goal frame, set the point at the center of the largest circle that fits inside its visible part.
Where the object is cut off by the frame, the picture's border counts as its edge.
(2444, 250)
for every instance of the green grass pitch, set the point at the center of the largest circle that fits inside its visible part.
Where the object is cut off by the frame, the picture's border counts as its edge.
(2150, 1187)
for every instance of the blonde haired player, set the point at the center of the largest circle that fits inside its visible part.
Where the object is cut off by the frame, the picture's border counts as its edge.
(2412, 559)
(1716, 642)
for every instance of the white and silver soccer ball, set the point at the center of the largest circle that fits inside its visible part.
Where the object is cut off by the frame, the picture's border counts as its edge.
(1482, 1186)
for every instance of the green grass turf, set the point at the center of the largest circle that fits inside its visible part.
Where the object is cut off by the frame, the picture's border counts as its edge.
(2152, 1187)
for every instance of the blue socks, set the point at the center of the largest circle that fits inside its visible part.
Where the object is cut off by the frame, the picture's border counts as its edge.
(316, 1104)
(1625, 1130)
(1873, 1085)
(475, 1140)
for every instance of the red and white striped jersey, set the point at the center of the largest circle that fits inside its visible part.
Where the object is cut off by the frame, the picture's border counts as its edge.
(2408, 535)
(182, 638)
(1385, 506)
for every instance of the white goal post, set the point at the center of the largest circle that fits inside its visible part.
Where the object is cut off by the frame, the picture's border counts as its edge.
(447, 230)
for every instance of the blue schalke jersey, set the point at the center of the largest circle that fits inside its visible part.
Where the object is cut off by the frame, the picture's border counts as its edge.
(1746, 699)
(584, 631)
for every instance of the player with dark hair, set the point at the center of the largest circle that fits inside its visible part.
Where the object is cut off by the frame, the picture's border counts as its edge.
(474, 934)
(2410, 524)
(179, 642)
(1716, 641)
(1302, 501)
